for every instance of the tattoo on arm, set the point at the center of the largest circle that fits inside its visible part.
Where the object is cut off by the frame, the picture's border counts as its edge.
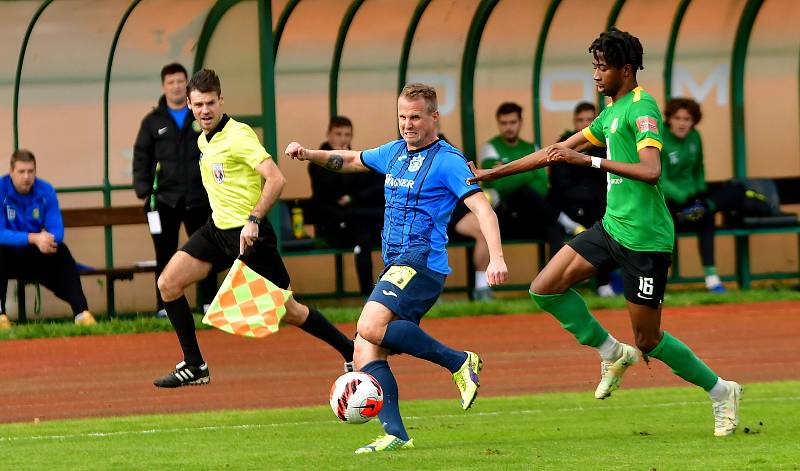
(335, 162)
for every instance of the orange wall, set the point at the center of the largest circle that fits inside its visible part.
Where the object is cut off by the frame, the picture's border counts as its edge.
(62, 86)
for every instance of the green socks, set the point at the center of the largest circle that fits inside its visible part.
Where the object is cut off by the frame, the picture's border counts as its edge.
(684, 362)
(710, 270)
(571, 311)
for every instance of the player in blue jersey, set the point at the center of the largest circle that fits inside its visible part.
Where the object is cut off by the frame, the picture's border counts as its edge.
(425, 178)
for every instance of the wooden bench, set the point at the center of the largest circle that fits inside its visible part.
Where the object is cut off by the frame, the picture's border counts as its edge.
(99, 217)
(788, 188)
(321, 247)
(789, 191)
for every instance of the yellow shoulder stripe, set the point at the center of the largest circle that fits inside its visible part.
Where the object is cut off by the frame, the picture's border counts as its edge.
(637, 94)
(590, 137)
(648, 142)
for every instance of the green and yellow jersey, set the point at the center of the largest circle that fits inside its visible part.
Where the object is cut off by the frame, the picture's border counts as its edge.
(682, 170)
(636, 215)
(228, 158)
(496, 151)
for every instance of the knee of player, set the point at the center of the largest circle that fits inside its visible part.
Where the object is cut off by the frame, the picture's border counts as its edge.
(169, 290)
(296, 313)
(371, 332)
(646, 341)
(544, 285)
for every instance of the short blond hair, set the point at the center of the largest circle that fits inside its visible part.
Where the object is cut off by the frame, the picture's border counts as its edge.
(414, 91)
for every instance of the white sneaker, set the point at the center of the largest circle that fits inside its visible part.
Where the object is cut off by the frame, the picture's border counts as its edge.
(606, 291)
(611, 371)
(726, 411)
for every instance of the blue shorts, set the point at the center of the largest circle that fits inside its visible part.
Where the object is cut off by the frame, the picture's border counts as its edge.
(409, 292)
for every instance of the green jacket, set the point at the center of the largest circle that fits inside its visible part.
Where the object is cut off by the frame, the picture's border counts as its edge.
(497, 150)
(682, 171)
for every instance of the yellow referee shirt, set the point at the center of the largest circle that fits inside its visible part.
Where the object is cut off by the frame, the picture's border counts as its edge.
(228, 158)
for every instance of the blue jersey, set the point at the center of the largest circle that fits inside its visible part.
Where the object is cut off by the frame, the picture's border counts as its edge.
(32, 212)
(421, 187)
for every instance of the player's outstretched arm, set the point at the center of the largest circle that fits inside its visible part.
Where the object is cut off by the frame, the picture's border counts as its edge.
(496, 272)
(532, 161)
(342, 161)
(647, 170)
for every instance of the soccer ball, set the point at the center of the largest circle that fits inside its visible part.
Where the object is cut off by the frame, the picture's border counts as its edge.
(356, 397)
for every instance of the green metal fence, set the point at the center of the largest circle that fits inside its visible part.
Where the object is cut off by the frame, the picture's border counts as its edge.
(269, 42)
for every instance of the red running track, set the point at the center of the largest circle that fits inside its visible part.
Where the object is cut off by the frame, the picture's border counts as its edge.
(528, 353)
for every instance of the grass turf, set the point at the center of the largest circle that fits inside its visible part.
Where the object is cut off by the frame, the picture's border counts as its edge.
(146, 322)
(644, 429)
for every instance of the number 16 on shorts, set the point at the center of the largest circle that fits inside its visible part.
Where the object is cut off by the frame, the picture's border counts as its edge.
(645, 287)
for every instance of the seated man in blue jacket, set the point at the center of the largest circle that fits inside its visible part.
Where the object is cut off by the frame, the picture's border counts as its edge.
(31, 239)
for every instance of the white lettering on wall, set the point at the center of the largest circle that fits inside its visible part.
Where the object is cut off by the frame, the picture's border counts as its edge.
(684, 85)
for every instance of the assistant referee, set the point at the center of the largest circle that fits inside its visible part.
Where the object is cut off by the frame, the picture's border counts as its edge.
(232, 165)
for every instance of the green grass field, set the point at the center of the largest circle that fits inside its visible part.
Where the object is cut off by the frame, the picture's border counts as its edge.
(643, 429)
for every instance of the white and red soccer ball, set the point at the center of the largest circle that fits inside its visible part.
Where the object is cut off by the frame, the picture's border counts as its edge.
(356, 397)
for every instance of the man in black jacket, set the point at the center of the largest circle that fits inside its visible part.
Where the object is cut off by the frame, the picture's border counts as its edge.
(166, 173)
(348, 208)
(580, 192)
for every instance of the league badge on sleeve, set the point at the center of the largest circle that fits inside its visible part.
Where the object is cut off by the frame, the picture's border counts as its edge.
(219, 172)
(646, 123)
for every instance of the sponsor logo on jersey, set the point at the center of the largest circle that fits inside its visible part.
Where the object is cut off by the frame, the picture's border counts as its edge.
(219, 172)
(162, 131)
(646, 123)
(11, 213)
(398, 182)
(614, 125)
(416, 163)
(35, 213)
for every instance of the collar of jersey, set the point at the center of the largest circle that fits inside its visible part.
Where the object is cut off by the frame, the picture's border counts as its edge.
(220, 125)
(630, 93)
(421, 149)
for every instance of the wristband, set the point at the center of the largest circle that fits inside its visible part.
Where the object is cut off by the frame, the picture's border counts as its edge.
(596, 162)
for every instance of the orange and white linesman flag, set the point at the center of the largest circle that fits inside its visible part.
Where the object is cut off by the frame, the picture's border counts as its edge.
(247, 304)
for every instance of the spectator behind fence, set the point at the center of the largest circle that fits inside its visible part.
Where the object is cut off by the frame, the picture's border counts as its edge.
(166, 174)
(348, 209)
(684, 185)
(580, 192)
(464, 225)
(32, 245)
(521, 203)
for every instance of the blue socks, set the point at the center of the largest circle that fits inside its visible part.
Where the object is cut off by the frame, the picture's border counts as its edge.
(390, 412)
(404, 336)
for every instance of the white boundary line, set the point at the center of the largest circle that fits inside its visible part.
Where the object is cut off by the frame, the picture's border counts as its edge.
(299, 424)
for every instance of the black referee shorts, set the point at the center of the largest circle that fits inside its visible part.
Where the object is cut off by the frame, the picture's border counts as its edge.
(220, 248)
(644, 273)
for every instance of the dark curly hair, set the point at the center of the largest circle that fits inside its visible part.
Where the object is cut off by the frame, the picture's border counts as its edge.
(677, 104)
(618, 48)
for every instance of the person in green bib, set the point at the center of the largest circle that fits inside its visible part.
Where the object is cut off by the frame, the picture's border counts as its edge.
(521, 198)
(683, 182)
(636, 233)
